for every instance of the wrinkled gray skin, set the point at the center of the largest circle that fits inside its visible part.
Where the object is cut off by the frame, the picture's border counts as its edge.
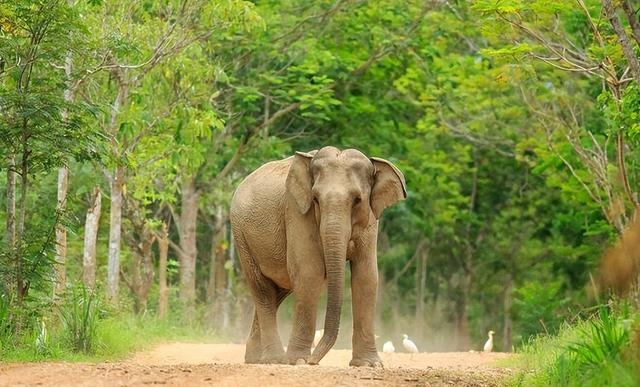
(295, 222)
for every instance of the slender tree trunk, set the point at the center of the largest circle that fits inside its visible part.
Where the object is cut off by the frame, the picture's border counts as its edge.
(231, 281)
(421, 285)
(142, 271)
(187, 230)
(462, 323)
(163, 247)
(506, 306)
(22, 285)
(10, 235)
(140, 239)
(63, 185)
(90, 239)
(610, 11)
(60, 279)
(632, 17)
(116, 182)
(217, 273)
(115, 228)
(462, 314)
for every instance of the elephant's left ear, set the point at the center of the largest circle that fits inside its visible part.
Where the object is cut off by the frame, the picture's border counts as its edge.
(388, 185)
(298, 182)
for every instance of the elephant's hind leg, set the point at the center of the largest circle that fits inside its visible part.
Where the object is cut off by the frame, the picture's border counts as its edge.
(253, 349)
(266, 296)
(253, 352)
(264, 344)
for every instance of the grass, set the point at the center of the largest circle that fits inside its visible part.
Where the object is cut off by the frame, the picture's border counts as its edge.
(83, 328)
(601, 350)
(116, 337)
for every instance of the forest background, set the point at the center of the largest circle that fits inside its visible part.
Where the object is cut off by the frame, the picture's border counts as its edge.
(125, 126)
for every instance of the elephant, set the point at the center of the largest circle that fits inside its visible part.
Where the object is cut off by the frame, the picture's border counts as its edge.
(296, 222)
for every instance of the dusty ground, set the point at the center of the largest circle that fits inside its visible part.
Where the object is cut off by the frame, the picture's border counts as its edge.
(181, 364)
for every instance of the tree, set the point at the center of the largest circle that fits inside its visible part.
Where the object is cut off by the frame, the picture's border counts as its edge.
(126, 59)
(40, 129)
(582, 45)
(92, 222)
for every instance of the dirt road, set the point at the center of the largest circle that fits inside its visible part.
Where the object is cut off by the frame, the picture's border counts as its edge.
(183, 364)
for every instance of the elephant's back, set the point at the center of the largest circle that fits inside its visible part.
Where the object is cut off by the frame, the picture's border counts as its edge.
(257, 206)
(262, 188)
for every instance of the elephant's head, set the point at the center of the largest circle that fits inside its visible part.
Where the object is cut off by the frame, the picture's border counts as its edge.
(347, 192)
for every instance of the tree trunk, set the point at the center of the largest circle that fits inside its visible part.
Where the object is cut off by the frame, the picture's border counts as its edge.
(142, 270)
(627, 48)
(217, 273)
(90, 239)
(10, 235)
(22, 284)
(163, 247)
(421, 285)
(60, 279)
(140, 238)
(506, 306)
(188, 249)
(632, 17)
(116, 182)
(115, 228)
(462, 314)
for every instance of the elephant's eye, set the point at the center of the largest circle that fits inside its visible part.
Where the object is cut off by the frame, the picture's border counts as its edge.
(356, 200)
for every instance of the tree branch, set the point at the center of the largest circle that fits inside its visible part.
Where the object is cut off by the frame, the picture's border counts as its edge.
(245, 139)
(627, 49)
(632, 17)
(421, 245)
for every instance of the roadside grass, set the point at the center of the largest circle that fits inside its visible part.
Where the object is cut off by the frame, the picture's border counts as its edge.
(599, 350)
(116, 337)
(84, 328)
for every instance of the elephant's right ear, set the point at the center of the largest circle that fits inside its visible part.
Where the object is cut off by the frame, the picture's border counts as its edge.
(299, 181)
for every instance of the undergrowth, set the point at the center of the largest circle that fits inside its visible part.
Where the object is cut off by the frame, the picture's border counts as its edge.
(601, 349)
(83, 327)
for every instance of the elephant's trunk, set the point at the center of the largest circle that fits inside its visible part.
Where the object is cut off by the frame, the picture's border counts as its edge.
(335, 233)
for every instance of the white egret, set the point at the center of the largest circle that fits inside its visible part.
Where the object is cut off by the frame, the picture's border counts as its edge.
(409, 345)
(388, 347)
(488, 346)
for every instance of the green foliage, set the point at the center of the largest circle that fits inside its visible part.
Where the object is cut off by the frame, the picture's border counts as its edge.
(6, 331)
(79, 315)
(35, 118)
(508, 159)
(604, 339)
(539, 306)
(82, 320)
(596, 351)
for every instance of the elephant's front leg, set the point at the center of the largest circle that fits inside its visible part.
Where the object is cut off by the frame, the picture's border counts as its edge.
(308, 284)
(364, 285)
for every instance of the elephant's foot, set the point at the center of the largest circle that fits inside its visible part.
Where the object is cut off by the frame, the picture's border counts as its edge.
(282, 359)
(275, 355)
(366, 361)
(252, 355)
(298, 357)
(252, 359)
